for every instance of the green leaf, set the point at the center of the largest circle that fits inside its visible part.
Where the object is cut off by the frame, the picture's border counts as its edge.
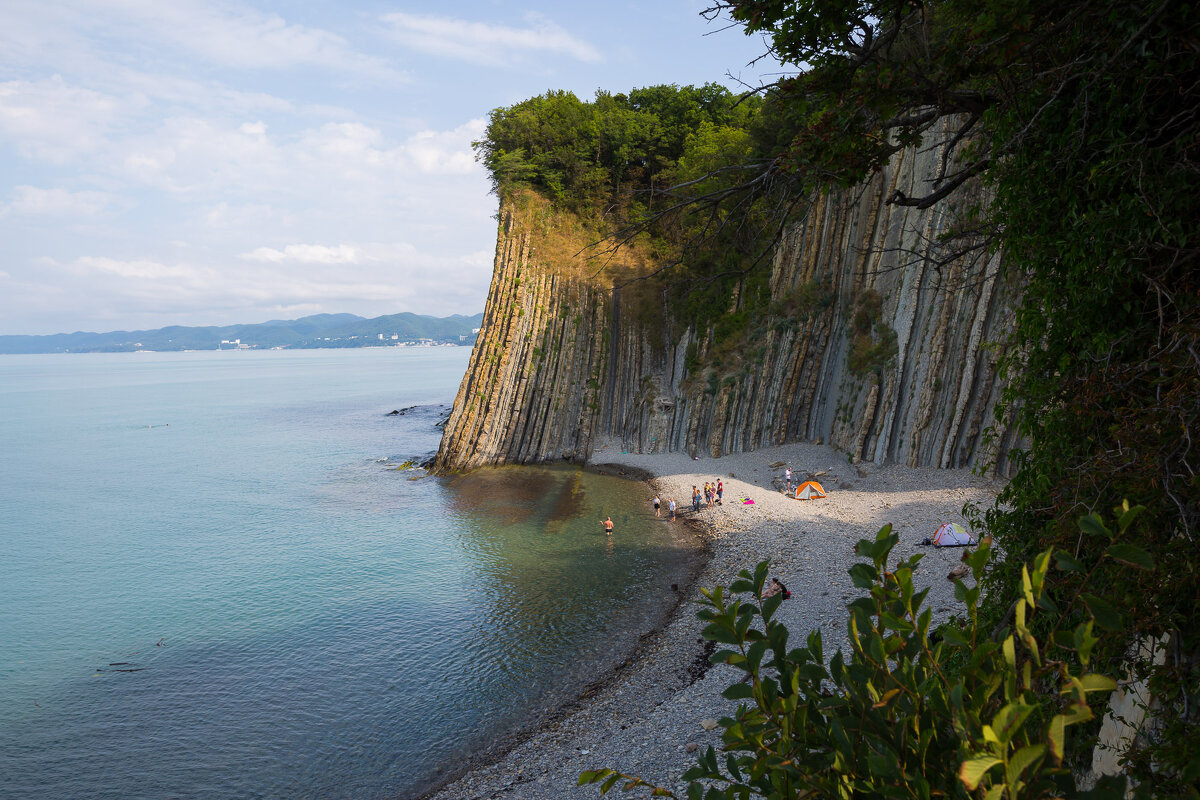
(952, 635)
(592, 775)
(1010, 653)
(1021, 761)
(1105, 614)
(1128, 515)
(1009, 720)
(1056, 734)
(863, 575)
(738, 691)
(1130, 554)
(1068, 563)
(1095, 682)
(1093, 525)
(895, 623)
(754, 655)
(973, 770)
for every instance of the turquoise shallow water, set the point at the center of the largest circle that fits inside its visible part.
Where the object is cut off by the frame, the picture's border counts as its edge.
(216, 583)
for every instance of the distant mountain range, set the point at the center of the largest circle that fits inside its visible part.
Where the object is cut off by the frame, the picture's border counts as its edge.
(319, 330)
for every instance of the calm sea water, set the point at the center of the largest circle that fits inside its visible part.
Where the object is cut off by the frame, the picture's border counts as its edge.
(215, 582)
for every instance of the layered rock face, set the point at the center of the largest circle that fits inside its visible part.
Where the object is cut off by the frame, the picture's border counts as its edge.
(875, 344)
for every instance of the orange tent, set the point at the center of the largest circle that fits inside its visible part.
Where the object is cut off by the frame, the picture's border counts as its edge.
(809, 490)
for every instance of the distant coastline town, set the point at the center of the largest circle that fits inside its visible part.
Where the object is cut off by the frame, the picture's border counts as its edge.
(353, 341)
(312, 332)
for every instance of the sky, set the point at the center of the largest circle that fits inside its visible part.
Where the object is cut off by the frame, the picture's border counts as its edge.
(197, 162)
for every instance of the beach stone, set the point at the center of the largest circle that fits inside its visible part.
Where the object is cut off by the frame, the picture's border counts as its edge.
(691, 747)
(709, 724)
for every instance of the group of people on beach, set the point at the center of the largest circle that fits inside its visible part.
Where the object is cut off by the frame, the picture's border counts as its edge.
(712, 493)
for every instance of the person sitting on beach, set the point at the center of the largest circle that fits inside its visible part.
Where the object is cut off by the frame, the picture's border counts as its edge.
(775, 588)
(671, 506)
(657, 502)
(608, 525)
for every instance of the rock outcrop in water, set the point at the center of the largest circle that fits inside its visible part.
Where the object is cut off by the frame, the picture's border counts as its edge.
(873, 347)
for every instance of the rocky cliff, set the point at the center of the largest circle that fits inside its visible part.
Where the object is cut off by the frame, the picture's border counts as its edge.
(875, 344)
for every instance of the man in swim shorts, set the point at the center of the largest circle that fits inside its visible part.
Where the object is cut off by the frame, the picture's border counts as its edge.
(608, 525)
(656, 505)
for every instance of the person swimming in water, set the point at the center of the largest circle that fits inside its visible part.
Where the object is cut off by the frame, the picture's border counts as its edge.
(608, 525)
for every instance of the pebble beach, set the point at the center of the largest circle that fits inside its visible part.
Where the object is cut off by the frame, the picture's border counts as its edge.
(661, 705)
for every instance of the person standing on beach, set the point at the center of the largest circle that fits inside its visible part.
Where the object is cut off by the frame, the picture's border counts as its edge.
(787, 476)
(657, 502)
(608, 525)
(671, 506)
(720, 490)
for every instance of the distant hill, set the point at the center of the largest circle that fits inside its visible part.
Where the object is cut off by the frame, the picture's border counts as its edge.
(318, 330)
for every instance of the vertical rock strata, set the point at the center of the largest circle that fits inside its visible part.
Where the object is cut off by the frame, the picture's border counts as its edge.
(873, 346)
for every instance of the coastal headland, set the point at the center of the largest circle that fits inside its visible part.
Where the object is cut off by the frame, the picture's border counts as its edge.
(654, 712)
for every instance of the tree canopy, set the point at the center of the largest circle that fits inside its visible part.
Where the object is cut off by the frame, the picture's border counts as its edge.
(619, 147)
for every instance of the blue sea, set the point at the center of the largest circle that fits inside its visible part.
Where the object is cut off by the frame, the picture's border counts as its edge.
(218, 579)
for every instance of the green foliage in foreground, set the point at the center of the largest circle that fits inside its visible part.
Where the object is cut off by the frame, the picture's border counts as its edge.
(911, 711)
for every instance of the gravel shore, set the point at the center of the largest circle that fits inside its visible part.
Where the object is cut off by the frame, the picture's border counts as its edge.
(649, 719)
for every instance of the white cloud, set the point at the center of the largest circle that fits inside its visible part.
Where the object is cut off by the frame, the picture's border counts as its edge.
(188, 154)
(223, 34)
(227, 216)
(143, 269)
(50, 120)
(58, 202)
(483, 43)
(446, 151)
(307, 254)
